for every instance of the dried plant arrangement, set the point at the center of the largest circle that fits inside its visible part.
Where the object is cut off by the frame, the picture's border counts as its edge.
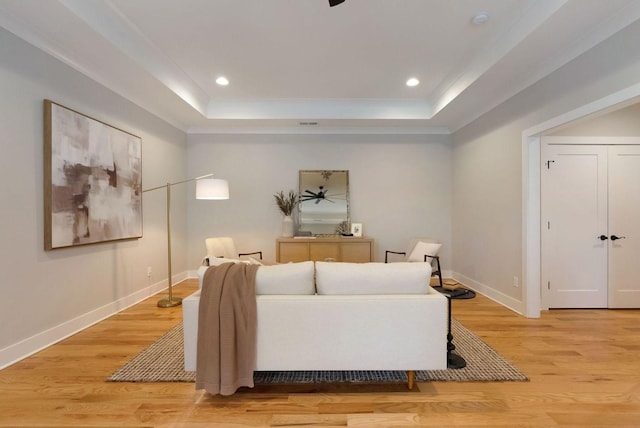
(286, 203)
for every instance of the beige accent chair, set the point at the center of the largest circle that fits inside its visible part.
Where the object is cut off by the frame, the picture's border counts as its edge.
(421, 250)
(223, 247)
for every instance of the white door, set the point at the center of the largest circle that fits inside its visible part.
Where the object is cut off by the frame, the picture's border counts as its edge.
(574, 216)
(624, 223)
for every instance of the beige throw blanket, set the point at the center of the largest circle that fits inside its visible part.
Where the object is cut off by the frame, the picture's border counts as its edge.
(227, 320)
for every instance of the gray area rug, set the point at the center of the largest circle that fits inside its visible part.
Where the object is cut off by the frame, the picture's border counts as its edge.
(163, 362)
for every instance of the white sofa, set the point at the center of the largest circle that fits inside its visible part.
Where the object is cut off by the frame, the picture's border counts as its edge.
(354, 316)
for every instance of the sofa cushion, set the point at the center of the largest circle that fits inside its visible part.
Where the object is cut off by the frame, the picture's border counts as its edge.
(372, 278)
(288, 278)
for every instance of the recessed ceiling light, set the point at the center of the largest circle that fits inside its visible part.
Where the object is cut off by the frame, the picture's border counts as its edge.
(222, 81)
(413, 82)
(480, 18)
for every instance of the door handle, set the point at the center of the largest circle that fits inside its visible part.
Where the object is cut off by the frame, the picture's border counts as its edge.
(614, 237)
(603, 237)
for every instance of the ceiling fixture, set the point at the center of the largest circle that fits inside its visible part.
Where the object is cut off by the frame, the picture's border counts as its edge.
(335, 2)
(480, 18)
(222, 81)
(413, 82)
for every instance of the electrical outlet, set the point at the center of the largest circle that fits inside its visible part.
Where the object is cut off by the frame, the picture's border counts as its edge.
(149, 272)
(516, 282)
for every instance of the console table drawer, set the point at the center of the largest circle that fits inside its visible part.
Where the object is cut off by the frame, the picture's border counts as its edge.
(358, 250)
(292, 252)
(324, 250)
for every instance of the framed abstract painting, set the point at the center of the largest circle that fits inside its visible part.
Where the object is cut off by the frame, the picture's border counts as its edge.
(92, 180)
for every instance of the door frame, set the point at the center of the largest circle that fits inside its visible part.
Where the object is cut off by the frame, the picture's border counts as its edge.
(545, 302)
(531, 137)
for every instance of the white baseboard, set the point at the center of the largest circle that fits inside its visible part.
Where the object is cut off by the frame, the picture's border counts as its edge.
(29, 346)
(497, 296)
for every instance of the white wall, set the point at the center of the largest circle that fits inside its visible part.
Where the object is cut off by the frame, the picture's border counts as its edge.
(46, 295)
(487, 163)
(400, 186)
(624, 122)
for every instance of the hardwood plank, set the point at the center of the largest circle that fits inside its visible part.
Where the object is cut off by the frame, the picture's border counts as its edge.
(581, 365)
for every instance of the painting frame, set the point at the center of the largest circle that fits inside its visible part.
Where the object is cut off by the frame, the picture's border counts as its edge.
(356, 230)
(92, 180)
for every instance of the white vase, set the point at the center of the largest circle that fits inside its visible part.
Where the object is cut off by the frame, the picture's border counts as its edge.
(287, 226)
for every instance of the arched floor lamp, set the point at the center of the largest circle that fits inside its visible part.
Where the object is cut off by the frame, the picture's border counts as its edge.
(206, 188)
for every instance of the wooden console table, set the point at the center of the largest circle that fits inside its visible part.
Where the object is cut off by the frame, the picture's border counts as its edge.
(358, 250)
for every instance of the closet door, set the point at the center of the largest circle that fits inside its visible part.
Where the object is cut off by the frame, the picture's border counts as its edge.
(624, 223)
(574, 217)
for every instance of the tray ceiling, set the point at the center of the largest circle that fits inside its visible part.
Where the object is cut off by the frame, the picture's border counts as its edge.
(302, 66)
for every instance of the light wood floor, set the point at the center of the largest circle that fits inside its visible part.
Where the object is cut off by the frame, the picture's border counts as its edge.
(583, 365)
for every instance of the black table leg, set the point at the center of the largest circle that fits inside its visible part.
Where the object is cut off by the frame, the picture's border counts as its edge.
(454, 361)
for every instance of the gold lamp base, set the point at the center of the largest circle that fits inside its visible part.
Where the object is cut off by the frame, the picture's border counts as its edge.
(169, 302)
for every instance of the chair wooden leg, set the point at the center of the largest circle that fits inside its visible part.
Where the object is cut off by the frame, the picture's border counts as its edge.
(410, 379)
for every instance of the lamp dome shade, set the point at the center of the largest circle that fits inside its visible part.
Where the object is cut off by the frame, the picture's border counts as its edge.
(212, 188)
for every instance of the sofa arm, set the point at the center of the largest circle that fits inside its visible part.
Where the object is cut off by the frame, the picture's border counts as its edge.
(201, 270)
(190, 306)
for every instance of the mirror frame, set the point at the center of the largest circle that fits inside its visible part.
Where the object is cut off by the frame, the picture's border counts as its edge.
(320, 175)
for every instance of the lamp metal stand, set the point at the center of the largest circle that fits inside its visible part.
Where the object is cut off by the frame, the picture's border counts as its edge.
(170, 301)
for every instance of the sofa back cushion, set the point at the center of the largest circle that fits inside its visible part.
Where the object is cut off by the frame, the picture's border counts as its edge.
(372, 278)
(288, 278)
